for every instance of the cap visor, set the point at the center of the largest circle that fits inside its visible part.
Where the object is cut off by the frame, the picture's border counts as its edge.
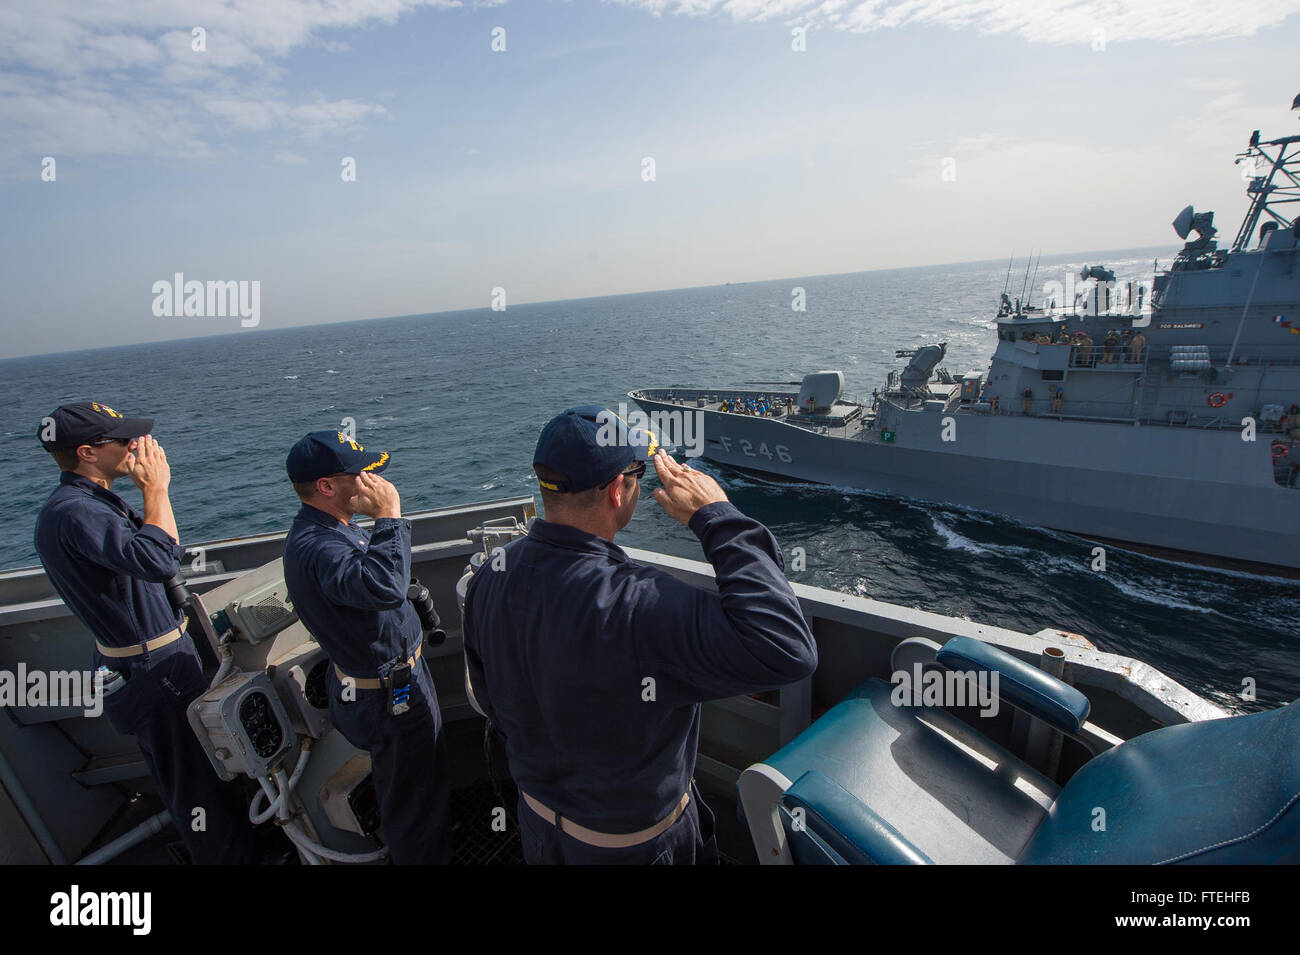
(130, 428)
(374, 462)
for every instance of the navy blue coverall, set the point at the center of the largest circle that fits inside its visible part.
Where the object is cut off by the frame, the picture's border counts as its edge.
(593, 668)
(109, 568)
(349, 586)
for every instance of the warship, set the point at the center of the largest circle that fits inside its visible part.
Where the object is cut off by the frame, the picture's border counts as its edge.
(1164, 418)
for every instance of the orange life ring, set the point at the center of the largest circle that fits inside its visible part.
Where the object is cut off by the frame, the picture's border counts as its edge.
(1280, 450)
(1218, 399)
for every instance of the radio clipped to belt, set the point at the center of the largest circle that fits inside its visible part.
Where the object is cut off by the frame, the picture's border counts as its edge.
(396, 683)
(395, 675)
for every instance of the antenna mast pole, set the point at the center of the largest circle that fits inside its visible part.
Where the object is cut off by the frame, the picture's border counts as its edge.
(1035, 278)
(1259, 202)
(1026, 282)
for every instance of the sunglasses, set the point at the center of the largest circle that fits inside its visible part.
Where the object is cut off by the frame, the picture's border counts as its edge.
(637, 470)
(103, 441)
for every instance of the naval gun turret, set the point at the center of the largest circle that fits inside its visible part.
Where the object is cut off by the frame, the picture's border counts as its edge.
(820, 390)
(917, 373)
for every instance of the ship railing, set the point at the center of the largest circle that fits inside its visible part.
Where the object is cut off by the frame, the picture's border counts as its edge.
(1122, 412)
(1194, 416)
(689, 397)
(1109, 357)
(852, 428)
(1123, 357)
(1256, 355)
(1118, 311)
(776, 411)
(1047, 407)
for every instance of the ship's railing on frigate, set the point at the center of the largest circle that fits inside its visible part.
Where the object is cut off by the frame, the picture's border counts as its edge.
(1123, 412)
(1155, 368)
(1259, 355)
(1047, 407)
(1120, 410)
(1126, 358)
(1109, 357)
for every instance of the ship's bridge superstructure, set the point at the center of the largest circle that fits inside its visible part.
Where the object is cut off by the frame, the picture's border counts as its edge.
(1216, 342)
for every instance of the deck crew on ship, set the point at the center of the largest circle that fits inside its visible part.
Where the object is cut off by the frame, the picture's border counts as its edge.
(594, 667)
(1110, 346)
(110, 566)
(349, 586)
(1136, 344)
(1085, 349)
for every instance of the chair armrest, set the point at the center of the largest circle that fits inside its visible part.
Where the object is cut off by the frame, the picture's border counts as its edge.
(1023, 686)
(846, 825)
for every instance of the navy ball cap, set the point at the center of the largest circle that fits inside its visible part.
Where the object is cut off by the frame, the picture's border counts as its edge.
(325, 453)
(589, 445)
(70, 426)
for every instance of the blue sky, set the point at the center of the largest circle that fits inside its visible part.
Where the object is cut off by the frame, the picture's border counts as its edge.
(522, 169)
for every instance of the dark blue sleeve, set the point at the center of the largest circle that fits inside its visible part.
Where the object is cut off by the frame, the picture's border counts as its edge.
(110, 540)
(473, 663)
(373, 579)
(749, 636)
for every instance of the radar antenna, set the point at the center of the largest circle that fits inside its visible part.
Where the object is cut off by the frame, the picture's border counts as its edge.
(1202, 223)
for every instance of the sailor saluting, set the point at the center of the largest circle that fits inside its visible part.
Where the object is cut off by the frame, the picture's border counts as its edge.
(110, 565)
(593, 667)
(349, 586)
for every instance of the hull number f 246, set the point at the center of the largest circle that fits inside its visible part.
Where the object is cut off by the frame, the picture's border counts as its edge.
(747, 448)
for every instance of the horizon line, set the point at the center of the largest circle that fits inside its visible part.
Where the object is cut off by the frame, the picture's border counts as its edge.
(578, 298)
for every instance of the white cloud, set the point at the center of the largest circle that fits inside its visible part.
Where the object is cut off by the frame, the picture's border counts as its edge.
(1038, 21)
(53, 34)
(82, 122)
(108, 78)
(308, 119)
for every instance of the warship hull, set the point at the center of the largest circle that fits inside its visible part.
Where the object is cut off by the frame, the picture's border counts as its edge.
(1179, 490)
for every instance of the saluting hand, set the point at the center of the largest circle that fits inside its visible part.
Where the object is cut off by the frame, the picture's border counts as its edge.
(149, 468)
(684, 490)
(376, 497)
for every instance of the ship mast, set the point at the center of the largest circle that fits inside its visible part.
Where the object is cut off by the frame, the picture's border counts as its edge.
(1281, 187)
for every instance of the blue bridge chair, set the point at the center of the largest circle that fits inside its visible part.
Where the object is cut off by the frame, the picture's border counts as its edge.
(871, 782)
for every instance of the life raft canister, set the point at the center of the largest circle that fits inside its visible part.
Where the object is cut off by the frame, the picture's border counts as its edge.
(1218, 399)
